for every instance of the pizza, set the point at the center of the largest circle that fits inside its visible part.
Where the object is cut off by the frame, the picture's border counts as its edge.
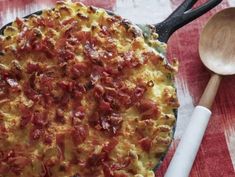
(83, 93)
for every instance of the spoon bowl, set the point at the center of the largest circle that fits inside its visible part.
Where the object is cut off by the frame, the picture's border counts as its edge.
(217, 43)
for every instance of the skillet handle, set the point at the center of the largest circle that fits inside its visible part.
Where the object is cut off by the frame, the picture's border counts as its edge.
(181, 16)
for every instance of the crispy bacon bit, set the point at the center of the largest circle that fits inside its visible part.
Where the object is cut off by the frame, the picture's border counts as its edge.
(92, 54)
(59, 117)
(139, 92)
(124, 97)
(35, 134)
(109, 146)
(26, 117)
(145, 144)
(104, 30)
(79, 112)
(78, 70)
(147, 108)
(111, 123)
(83, 36)
(60, 140)
(98, 91)
(45, 46)
(47, 139)
(77, 92)
(79, 134)
(29, 91)
(94, 120)
(63, 168)
(96, 160)
(40, 119)
(16, 70)
(33, 67)
(110, 168)
(46, 170)
(4, 91)
(18, 163)
(64, 55)
(46, 22)
(72, 28)
(130, 61)
(46, 83)
(66, 85)
(19, 22)
(108, 172)
(64, 100)
(12, 82)
(27, 39)
(105, 107)
(95, 76)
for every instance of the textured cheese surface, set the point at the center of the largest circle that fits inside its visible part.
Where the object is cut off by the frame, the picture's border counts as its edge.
(83, 93)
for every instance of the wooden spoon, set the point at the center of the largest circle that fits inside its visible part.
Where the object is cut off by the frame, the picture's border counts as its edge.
(217, 52)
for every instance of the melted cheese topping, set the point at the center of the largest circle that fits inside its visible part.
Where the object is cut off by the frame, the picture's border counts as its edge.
(83, 93)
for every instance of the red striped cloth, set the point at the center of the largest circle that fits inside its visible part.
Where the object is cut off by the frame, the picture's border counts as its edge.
(216, 157)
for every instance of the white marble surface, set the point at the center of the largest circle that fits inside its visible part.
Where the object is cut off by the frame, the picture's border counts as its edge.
(144, 11)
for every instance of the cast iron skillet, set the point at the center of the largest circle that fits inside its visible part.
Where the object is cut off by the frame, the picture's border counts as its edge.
(183, 15)
(180, 17)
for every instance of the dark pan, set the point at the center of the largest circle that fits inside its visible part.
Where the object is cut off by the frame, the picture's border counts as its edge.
(183, 15)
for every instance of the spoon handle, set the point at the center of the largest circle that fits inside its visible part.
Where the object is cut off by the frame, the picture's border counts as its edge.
(187, 149)
(209, 94)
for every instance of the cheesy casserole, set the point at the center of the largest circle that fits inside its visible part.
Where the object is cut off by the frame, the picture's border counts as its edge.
(83, 94)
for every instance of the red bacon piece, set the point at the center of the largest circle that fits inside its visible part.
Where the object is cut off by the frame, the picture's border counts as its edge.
(92, 54)
(79, 134)
(33, 67)
(109, 146)
(67, 86)
(46, 22)
(64, 55)
(59, 116)
(78, 70)
(18, 163)
(19, 22)
(40, 119)
(12, 82)
(98, 91)
(35, 134)
(26, 117)
(105, 107)
(108, 172)
(47, 139)
(79, 112)
(83, 36)
(145, 144)
(60, 141)
(147, 108)
(109, 169)
(29, 89)
(96, 160)
(138, 92)
(111, 123)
